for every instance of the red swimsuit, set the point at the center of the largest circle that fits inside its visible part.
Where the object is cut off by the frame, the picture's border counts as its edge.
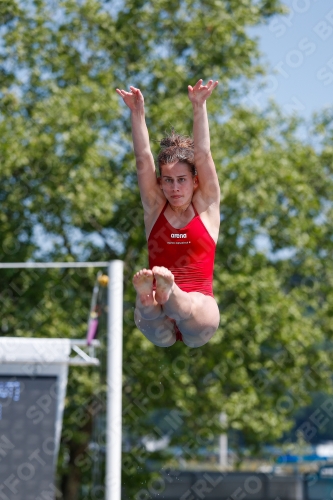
(187, 252)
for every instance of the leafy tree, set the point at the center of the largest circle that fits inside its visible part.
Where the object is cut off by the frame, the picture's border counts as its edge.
(68, 192)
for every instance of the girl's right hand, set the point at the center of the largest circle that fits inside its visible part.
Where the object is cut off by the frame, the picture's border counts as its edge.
(133, 99)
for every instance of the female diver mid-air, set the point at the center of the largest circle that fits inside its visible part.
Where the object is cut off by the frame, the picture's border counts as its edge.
(182, 217)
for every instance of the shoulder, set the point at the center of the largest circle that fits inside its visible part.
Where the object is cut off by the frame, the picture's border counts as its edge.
(207, 178)
(152, 211)
(209, 213)
(207, 199)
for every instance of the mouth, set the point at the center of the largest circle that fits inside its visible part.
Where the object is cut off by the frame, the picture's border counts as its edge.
(175, 197)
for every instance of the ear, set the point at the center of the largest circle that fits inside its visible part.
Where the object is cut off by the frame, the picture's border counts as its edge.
(195, 182)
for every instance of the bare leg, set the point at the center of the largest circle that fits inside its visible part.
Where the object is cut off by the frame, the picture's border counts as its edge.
(149, 315)
(160, 332)
(177, 306)
(196, 315)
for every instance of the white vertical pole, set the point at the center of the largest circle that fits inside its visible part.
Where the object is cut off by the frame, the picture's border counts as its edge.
(223, 461)
(114, 381)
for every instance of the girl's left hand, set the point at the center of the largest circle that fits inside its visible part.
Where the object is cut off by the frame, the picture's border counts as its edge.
(200, 93)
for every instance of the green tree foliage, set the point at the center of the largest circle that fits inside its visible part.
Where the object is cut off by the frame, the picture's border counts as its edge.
(69, 192)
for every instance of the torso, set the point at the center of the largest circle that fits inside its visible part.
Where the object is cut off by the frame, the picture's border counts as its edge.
(187, 249)
(210, 216)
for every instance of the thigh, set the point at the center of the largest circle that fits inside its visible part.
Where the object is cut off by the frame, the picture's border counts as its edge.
(204, 320)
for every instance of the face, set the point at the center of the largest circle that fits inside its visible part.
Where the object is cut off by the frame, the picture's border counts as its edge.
(178, 183)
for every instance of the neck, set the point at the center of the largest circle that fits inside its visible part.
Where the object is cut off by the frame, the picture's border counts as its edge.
(180, 210)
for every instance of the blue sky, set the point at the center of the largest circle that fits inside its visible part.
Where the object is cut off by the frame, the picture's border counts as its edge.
(298, 47)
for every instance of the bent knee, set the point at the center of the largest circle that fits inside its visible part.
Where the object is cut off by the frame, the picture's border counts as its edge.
(160, 332)
(199, 338)
(160, 338)
(204, 306)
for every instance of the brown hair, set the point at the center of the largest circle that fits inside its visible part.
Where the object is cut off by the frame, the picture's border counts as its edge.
(177, 147)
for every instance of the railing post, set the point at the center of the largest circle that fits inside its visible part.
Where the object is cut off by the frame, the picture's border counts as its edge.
(114, 381)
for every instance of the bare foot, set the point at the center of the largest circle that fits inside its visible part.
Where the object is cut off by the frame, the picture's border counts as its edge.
(164, 283)
(143, 284)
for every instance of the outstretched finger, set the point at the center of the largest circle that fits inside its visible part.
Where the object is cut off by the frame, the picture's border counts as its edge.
(124, 92)
(211, 86)
(198, 84)
(137, 92)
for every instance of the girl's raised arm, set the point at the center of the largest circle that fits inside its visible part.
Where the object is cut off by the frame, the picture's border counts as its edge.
(144, 159)
(208, 180)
